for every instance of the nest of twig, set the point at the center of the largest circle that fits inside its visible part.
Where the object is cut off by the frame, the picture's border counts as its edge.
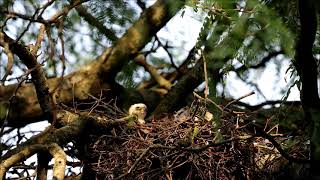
(188, 145)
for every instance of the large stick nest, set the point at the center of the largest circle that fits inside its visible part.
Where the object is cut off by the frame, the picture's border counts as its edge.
(191, 145)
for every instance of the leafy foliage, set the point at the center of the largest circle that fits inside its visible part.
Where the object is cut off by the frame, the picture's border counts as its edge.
(127, 77)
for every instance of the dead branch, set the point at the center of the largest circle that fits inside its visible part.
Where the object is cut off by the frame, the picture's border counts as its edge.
(209, 100)
(238, 99)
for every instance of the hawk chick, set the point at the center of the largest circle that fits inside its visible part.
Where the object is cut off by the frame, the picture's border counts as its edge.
(140, 111)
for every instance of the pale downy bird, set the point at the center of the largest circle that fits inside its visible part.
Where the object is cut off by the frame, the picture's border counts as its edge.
(140, 111)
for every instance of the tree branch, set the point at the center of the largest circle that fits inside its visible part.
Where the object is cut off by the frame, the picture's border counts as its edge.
(266, 103)
(178, 93)
(96, 76)
(60, 159)
(140, 59)
(37, 74)
(261, 64)
(137, 36)
(21, 155)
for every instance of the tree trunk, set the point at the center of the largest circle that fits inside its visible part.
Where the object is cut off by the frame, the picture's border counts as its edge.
(307, 70)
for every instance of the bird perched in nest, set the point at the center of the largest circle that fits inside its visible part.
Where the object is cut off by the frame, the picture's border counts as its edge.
(139, 111)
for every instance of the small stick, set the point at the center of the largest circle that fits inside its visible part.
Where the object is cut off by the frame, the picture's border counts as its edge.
(135, 163)
(236, 100)
(215, 104)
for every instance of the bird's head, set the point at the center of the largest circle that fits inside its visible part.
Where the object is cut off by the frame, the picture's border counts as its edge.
(140, 111)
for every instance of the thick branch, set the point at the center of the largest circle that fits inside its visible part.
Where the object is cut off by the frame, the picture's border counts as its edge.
(18, 157)
(177, 95)
(60, 159)
(37, 73)
(27, 109)
(136, 37)
(44, 141)
(91, 78)
(51, 135)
